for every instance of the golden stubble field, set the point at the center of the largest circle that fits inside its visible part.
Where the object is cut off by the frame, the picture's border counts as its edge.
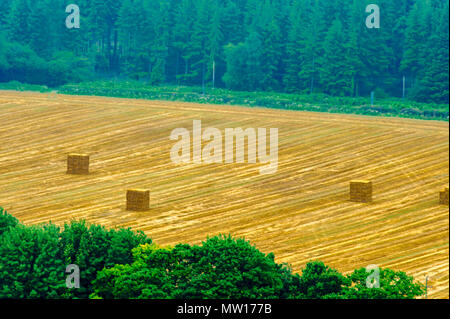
(300, 213)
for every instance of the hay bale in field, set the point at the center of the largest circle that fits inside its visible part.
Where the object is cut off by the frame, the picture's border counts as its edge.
(78, 164)
(138, 199)
(443, 196)
(361, 191)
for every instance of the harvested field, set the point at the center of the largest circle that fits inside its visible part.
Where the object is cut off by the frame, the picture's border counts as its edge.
(301, 213)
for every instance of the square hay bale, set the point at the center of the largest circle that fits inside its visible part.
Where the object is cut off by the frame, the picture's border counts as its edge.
(361, 191)
(138, 199)
(78, 164)
(443, 196)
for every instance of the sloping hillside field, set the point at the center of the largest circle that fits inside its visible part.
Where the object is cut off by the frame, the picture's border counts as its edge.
(301, 213)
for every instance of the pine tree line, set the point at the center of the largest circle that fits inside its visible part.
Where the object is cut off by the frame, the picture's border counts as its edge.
(302, 46)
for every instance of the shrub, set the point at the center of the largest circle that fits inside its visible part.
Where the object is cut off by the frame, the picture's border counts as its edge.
(30, 263)
(393, 285)
(319, 281)
(222, 267)
(301, 102)
(33, 259)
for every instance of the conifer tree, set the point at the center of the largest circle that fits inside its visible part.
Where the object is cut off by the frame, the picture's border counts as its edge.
(335, 70)
(18, 19)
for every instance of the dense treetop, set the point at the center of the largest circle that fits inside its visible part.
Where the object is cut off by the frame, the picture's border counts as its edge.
(300, 46)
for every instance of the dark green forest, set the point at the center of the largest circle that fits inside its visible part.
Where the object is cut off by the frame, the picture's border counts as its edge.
(292, 46)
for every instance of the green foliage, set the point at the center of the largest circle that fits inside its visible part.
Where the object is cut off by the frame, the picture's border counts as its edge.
(33, 259)
(30, 263)
(227, 268)
(425, 58)
(319, 281)
(20, 63)
(93, 248)
(222, 267)
(67, 67)
(334, 65)
(150, 276)
(6, 221)
(236, 56)
(303, 46)
(17, 86)
(433, 84)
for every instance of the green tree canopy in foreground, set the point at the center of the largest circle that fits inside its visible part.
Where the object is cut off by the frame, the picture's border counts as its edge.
(121, 264)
